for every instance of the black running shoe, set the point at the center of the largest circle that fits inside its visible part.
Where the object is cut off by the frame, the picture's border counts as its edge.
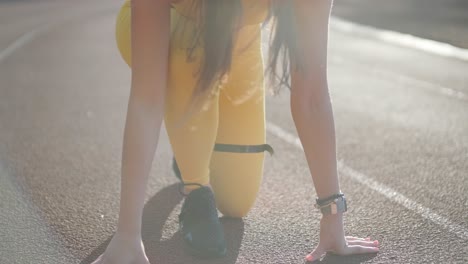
(200, 225)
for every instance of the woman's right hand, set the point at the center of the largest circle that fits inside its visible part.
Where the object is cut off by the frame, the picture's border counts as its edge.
(333, 240)
(124, 249)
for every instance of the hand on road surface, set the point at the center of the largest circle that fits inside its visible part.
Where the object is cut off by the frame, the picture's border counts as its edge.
(333, 240)
(123, 249)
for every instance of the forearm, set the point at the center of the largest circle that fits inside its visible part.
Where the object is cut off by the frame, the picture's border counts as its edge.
(314, 121)
(150, 44)
(310, 100)
(141, 136)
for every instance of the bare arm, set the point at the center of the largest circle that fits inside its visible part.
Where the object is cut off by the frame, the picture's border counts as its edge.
(150, 45)
(313, 115)
(150, 26)
(310, 101)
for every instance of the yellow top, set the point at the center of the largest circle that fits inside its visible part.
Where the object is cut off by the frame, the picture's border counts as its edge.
(255, 11)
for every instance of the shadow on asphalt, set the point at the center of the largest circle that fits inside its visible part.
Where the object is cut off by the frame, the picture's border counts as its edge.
(335, 259)
(155, 214)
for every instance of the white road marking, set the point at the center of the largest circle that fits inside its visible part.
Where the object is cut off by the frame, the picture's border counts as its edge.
(424, 84)
(429, 46)
(447, 91)
(372, 184)
(405, 40)
(21, 41)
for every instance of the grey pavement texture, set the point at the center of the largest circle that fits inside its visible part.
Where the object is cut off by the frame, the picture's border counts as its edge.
(445, 21)
(63, 100)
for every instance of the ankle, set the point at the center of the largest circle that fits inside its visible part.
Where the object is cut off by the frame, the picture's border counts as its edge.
(188, 188)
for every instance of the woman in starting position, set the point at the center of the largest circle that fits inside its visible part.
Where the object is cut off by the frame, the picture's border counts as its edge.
(198, 65)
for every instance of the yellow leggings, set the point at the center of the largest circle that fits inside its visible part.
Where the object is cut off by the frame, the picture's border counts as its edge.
(235, 115)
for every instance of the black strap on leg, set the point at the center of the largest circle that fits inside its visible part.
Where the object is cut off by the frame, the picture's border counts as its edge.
(226, 148)
(244, 148)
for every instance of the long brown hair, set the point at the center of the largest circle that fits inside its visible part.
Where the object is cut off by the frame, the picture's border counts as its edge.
(219, 21)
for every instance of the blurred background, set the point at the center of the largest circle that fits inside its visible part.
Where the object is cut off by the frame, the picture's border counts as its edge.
(401, 113)
(444, 21)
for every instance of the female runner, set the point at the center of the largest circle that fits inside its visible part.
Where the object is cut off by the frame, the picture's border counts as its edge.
(198, 65)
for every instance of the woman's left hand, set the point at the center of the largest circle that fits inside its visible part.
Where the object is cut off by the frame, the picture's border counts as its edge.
(333, 240)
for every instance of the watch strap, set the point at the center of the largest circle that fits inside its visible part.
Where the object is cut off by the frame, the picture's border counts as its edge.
(328, 199)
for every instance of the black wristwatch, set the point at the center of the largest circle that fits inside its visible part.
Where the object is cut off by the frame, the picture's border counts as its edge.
(332, 206)
(328, 199)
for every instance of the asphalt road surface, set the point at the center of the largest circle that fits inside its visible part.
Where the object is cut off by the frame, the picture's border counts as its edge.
(444, 21)
(402, 129)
